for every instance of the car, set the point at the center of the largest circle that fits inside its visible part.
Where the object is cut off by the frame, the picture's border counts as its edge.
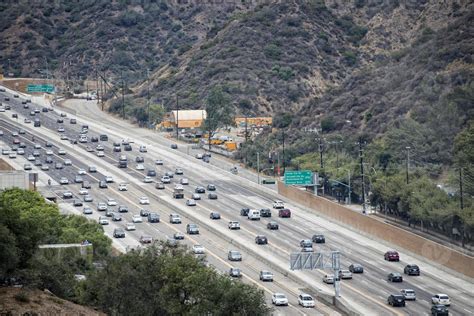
(101, 206)
(147, 179)
(104, 137)
(261, 240)
(178, 236)
(306, 243)
(127, 147)
(234, 255)
(6, 151)
(396, 300)
(153, 217)
(328, 278)
(279, 299)
(139, 159)
(441, 299)
(130, 226)
(63, 115)
(87, 211)
(119, 233)
(122, 187)
(244, 211)
(265, 212)
(345, 274)
(284, 213)
(98, 147)
(215, 215)
(306, 300)
(174, 146)
(439, 310)
(235, 273)
(92, 169)
(116, 217)
(175, 218)
(409, 294)
(199, 156)
(123, 209)
(61, 152)
(190, 202)
(36, 153)
(210, 187)
(15, 134)
(20, 151)
(318, 239)
(195, 196)
(395, 277)
(111, 202)
(253, 215)
(411, 269)
(78, 179)
(109, 212)
(83, 191)
(88, 198)
(212, 196)
(192, 229)
(146, 239)
(178, 171)
(165, 179)
(160, 186)
(100, 154)
(86, 184)
(64, 137)
(392, 255)
(184, 181)
(144, 200)
(103, 184)
(198, 249)
(67, 195)
(81, 172)
(170, 174)
(356, 268)
(103, 220)
(159, 162)
(77, 203)
(142, 149)
(63, 180)
(144, 212)
(44, 110)
(307, 249)
(266, 276)
(61, 129)
(45, 168)
(26, 166)
(139, 167)
(233, 225)
(12, 155)
(30, 158)
(109, 179)
(272, 225)
(277, 204)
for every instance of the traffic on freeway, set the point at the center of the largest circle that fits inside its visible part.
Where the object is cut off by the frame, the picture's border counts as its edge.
(143, 187)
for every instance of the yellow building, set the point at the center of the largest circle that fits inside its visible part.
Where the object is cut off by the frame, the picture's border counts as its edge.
(253, 121)
(184, 118)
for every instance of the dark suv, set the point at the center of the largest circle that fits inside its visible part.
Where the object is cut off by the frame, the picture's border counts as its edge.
(244, 212)
(319, 239)
(265, 212)
(151, 173)
(261, 240)
(396, 300)
(192, 229)
(153, 218)
(119, 233)
(285, 213)
(395, 277)
(272, 225)
(412, 269)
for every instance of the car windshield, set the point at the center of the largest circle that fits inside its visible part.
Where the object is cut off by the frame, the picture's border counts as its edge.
(307, 298)
(443, 297)
(409, 291)
(280, 296)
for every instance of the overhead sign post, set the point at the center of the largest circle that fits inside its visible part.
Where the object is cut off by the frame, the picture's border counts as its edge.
(49, 88)
(300, 177)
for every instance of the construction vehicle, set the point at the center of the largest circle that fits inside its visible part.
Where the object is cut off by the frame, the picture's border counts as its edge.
(178, 192)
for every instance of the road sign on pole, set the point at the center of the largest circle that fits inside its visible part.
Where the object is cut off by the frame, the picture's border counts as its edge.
(40, 88)
(300, 177)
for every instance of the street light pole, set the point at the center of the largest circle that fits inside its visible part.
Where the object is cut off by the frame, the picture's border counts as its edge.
(407, 162)
(349, 183)
(258, 167)
(284, 165)
(177, 117)
(364, 210)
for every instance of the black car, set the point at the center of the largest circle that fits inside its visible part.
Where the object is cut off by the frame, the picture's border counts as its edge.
(192, 229)
(151, 173)
(200, 190)
(127, 147)
(139, 159)
(356, 268)
(439, 310)
(319, 239)
(94, 139)
(211, 187)
(60, 120)
(153, 218)
(411, 269)
(103, 184)
(72, 121)
(117, 149)
(119, 233)
(44, 110)
(395, 277)
(396, 300)
(272, 226)
(244, 212)
(144, 212)
(214, 215)
(261, 240)
(104, 137)
(212, 196)
(265, 212)
(174, 146)
(77, 203)
(235, 273)
(123, 209)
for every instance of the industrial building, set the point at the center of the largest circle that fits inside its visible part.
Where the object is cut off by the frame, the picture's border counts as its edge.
(184, 119)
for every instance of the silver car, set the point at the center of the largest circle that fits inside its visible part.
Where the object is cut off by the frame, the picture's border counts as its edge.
(409, 294)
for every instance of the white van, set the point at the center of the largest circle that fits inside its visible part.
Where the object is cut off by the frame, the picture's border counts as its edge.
(254, 215)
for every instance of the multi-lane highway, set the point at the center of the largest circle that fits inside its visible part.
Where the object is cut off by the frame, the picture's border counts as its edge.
(367, 292)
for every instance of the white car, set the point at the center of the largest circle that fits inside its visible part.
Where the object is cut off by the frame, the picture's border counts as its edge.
(61, 152)
(144, 200)
(159, 162)
(198, 249)
(20, 151)
(184, 181)
(100, 154)
(130, 226)
(278, 204)
(67, 162)
(140, 167)
(441, 299)
(63, 180)
(87, 211)
(345, 274)
(137, 218)
(111, 202)
(81, 172)
(147, 179)
(279, 299)
(49, 152)
(328, 279)
(83, 191)
(143, 149)
(122, 187)
(190, 202)
(109, 179)
(234, 225)
(198, 156)
(195, 196)
(165, 179)
(305, 300)
(30, 158)
(103, 220)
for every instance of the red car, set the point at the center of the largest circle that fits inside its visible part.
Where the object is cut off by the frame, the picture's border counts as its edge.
(392, 256)
(284, 213)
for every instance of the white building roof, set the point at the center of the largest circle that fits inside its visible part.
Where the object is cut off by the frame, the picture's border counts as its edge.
(189, 115)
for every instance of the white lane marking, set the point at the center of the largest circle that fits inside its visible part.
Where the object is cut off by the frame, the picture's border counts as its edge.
(467, 311)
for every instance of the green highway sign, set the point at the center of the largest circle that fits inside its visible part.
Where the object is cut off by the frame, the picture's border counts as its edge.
(300, 177)
(40, 88)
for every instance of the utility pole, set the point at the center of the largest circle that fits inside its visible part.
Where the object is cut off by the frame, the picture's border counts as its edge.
(177, 119)
(461, 202)
(148, 97)
(284, 164)
(349, 184)
(97, 86)
(258, 167)
(246, 130)
(87, 90)
(123, 96)
(407, 162)
(321, 152)
(361, 156)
